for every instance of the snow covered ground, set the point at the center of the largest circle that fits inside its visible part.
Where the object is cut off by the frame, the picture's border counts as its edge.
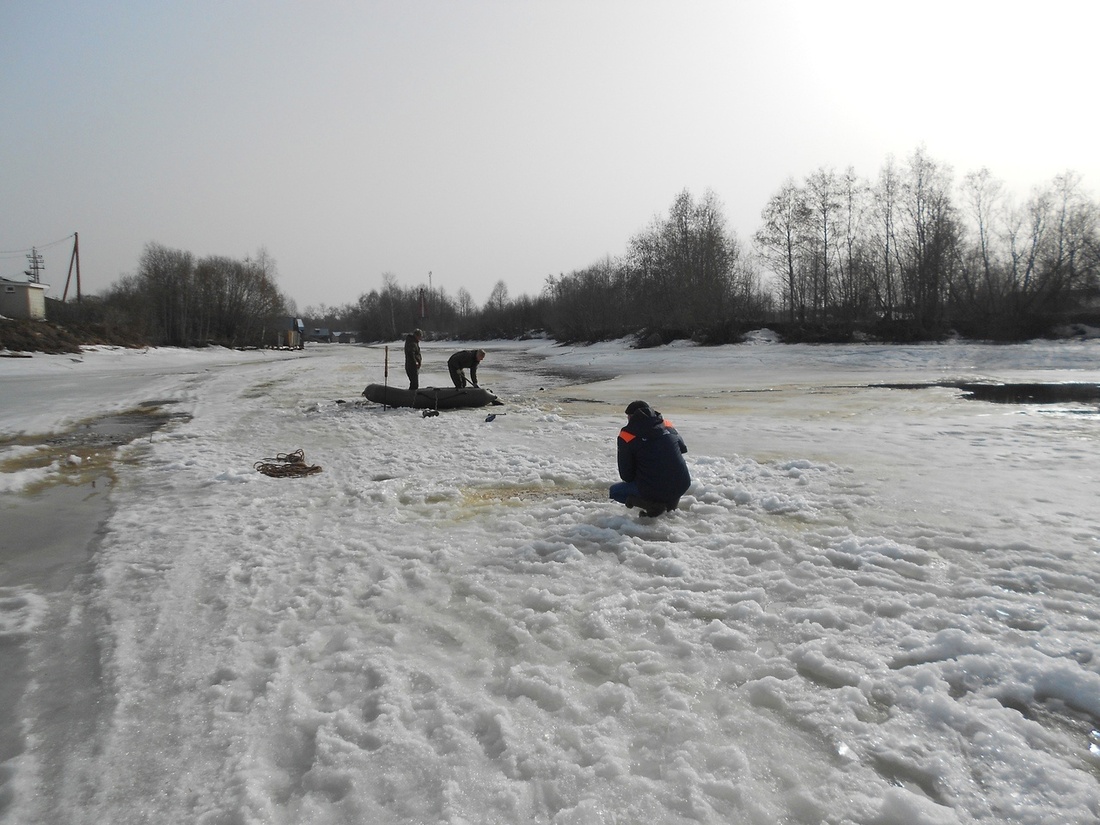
(876, 606)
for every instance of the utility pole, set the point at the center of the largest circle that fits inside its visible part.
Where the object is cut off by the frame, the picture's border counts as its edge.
(75, 258)
(35, 272)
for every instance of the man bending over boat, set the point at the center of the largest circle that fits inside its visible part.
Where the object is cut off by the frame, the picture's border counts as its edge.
(651, 462)
(463, 360)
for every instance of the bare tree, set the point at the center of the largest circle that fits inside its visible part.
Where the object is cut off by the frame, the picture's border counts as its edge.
(498, 297)
(932, 237)
(854, 288)
(465, 302)
(780, 242)
(586, 305)
(980, 288)
(885, 257)
(1053, 247)
(166, 279)
(823, 203)
(682, 268)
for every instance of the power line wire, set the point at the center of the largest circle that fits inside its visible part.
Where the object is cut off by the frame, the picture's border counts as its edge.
(36, 246)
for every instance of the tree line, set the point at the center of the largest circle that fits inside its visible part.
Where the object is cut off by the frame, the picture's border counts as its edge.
(910, 255)
(907, 255)
(684, 275)
(174, 299)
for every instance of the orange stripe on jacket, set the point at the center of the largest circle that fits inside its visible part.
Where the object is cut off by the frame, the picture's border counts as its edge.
(629, 436)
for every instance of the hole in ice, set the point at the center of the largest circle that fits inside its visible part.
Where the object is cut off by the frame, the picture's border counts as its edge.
(85, 451)
(533, 492)
(1056, 393)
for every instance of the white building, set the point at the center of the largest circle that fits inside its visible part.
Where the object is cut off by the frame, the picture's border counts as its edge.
(22, 299)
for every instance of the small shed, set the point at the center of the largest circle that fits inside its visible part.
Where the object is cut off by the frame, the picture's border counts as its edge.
(22, 299)
(291, 332)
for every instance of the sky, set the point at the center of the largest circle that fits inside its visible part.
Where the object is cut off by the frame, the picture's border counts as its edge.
(873, 606)
(490, 140)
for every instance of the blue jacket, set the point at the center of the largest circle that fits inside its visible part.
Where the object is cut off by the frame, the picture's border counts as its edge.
(650, 453)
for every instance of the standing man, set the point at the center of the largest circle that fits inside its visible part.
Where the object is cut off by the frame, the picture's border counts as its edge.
(412, 358)
(651, 462)
(465, 359)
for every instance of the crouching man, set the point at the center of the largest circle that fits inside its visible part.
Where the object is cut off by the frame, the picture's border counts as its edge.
(651, 462)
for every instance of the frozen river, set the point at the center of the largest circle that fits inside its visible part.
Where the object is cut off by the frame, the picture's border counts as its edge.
(876, 606)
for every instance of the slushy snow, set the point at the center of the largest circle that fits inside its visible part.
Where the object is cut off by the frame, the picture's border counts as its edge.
(874, 607)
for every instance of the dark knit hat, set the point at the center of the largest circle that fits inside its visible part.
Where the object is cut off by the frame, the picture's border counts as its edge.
(639, 408)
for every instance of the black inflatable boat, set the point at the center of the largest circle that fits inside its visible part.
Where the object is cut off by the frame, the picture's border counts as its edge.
(430, 398)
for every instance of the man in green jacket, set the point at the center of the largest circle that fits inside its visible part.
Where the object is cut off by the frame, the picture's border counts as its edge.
(412, 358)
(466, 359)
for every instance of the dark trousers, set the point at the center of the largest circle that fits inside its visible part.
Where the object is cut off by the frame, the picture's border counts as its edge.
(622, 490)
(413, 372)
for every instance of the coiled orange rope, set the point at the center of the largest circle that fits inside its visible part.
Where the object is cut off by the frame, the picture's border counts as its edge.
(287, 465)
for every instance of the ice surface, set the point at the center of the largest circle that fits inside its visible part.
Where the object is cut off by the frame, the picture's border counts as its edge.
(875, 606)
